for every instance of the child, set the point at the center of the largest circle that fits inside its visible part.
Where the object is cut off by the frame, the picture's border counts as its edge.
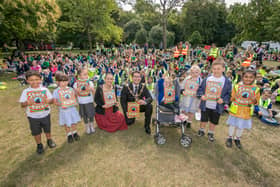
(190, 102)
(214, 92)
(244, 96)
(151, 86)
(265, 105)
(36, 100)
(84, 89)
(65, 98)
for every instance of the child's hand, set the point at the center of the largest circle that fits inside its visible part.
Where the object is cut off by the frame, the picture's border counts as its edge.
(203, 98)
(220, 101)
(254, 101)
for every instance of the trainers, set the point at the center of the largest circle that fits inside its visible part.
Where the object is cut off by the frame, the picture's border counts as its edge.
(92, 129)
(229, 142)
(211, 137)
(88, 131)
(51, 143)
(238, 143)
(70, 139)
(40, 148)
(188, 125)
(201, 133)
(76, 136)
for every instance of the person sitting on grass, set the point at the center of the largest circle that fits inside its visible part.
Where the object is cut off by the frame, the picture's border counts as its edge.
(36, 100)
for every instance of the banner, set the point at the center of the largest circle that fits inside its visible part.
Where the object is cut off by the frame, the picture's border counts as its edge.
(39, 99)
(67, 98)
(133, 109)
(213, 90)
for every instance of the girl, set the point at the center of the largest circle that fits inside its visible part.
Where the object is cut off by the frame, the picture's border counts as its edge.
(244, 96)
(190, 102)
(84, 89)
(65, 98)
(108, 117)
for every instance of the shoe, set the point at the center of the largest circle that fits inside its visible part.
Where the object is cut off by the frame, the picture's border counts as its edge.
(92, 129)
(229, 142)
(188, 125)
(70, 139)
(51, 143)
(238, 143)
(76, 136)
(201, 133)
(148, 130)
(88, 131)
(211, 137)
(40, 148)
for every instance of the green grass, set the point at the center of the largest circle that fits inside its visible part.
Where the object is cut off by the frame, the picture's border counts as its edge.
(131, 158)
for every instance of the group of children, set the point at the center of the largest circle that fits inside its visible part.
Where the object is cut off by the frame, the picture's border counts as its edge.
(206, 87)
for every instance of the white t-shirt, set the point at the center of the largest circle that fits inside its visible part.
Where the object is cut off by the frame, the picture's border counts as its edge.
(87, 98)
(40, 108)
(209, 103)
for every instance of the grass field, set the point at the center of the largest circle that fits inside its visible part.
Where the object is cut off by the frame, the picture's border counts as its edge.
(130, 158)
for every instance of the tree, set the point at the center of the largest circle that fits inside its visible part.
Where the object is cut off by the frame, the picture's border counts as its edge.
(24, 19)
(166, 6)
(130, 30)
(156, 36)
(195, 39)
(141, 37)
(92, 17)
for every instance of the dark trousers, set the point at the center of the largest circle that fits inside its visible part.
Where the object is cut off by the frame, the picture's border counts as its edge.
(148, 109)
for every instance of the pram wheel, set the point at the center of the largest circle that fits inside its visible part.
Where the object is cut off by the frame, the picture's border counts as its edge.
(185, 141)
(159, 139)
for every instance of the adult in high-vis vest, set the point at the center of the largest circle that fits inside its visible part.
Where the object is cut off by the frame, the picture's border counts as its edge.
(213, 54)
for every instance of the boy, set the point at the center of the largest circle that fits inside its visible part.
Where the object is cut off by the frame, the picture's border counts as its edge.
(265, 105)
(36, 100)
(214, 92)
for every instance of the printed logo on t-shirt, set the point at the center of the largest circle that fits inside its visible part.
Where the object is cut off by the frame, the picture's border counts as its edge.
(213, 90)
(67, 97)
(39, 99)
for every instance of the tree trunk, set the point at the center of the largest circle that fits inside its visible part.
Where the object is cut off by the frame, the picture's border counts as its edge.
(20, 45)
(164, 25)
(89, 40)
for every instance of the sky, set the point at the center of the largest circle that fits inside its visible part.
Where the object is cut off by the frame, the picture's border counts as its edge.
(228, 2)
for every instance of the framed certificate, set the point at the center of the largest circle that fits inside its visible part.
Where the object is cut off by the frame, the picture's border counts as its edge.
(169, 95)
(109, 98)
(191, 87)
(243, 95)
(83, 86)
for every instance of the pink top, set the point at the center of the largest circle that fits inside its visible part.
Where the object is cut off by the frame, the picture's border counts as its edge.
(36, 68)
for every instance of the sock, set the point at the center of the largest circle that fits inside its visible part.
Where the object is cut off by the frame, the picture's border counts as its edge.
(239, 133)
(231, 131)
(202, 129)
(69, 134)
(74, 132)
(210, 132)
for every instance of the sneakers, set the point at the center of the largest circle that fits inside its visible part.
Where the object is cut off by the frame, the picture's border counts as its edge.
(76, 136)
(201, 133)
(70, 139)
(238, 143)
(92, 129)
(211, 137)
(88, 129)
(229, 142)
(51, 143)
(40, 148)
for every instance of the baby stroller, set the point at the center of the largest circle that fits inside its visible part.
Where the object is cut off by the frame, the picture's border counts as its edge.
(166, 115)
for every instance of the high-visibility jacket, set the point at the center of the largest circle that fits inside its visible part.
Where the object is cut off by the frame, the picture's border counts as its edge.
(150, 86)
(214, 52)
(264, 104)
(234, 105)
(278, 95)
(118, 79)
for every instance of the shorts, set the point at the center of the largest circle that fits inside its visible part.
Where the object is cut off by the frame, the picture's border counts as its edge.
(36, 125)
(210, 115)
